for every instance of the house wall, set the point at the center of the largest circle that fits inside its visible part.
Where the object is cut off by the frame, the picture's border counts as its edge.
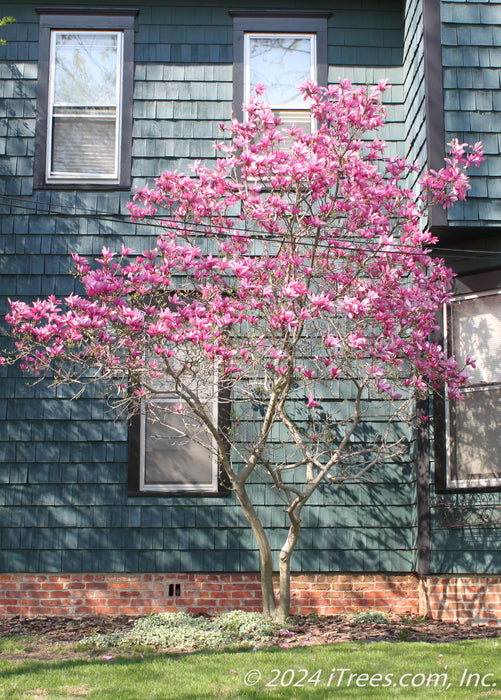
(466, 528)
(63, 490)
(64, 508)
(414, 84)
(464, 599)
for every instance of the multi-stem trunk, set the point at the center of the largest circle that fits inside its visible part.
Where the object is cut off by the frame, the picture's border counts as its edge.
(266, 558)
(281, 611)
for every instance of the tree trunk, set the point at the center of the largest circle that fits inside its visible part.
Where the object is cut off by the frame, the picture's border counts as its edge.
(284, 604)
(266, 558)
(269, 602)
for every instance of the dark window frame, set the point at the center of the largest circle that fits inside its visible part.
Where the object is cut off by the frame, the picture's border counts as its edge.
(121, 20)
(465, 283)
(275, 22)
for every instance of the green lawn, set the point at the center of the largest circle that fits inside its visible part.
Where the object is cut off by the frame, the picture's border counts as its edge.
(470, 669)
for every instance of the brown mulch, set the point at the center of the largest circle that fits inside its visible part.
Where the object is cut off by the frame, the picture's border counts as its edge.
(328, 630)
(64, 629)
(52, 638)
(55, 638)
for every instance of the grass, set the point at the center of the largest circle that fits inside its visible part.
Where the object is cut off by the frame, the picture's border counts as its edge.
(17, 644)
(378, 670)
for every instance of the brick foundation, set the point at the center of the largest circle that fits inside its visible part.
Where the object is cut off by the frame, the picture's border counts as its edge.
(462, 598)
(475, 599)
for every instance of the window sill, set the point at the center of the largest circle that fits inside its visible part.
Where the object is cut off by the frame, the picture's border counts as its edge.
(222, 493)
(112, 186)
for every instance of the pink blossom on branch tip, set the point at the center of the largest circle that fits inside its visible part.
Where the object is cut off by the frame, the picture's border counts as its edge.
(312, 403)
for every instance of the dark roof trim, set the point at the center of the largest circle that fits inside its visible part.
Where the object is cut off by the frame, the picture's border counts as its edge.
(453, 234)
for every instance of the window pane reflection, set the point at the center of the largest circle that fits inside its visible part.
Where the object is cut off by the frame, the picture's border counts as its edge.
(280, 63)
(86, 69)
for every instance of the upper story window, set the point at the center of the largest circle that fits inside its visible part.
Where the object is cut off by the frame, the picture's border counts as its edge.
(84, 125)
(280, 50)
(84, 100)
(468, 453)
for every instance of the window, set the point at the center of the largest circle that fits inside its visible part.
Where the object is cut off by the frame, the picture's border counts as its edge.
(280, 50)
(83, 126)
(84, 100)
(468, 453)
(170, 451)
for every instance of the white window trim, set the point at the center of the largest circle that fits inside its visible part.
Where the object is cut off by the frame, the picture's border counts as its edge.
(313, 63)
(79, 177)
(450, 481)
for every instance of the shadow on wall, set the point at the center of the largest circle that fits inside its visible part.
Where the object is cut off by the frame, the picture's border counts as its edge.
(466, 599)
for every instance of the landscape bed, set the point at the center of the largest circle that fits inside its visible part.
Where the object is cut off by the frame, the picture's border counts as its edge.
(53, 637)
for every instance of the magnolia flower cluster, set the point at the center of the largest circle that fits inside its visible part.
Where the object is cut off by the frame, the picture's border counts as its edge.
(296, 255)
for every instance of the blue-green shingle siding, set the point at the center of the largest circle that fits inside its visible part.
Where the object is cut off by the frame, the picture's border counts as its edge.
(471, 49)
(63, 484)
(413, 85)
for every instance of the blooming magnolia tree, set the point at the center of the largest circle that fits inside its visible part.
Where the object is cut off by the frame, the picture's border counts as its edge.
(298, 271)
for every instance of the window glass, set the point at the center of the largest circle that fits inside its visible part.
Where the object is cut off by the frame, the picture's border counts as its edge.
(178, 453)
(475, 425)
(281, 62)
(476, 332)
(85, 69)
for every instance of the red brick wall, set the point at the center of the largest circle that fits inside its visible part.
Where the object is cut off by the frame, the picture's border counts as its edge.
(474, 599)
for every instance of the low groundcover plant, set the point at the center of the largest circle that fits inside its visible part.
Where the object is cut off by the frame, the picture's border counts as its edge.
(374, 617)
(182, 631)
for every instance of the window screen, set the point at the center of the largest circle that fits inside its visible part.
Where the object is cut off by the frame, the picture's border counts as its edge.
(177, 453)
